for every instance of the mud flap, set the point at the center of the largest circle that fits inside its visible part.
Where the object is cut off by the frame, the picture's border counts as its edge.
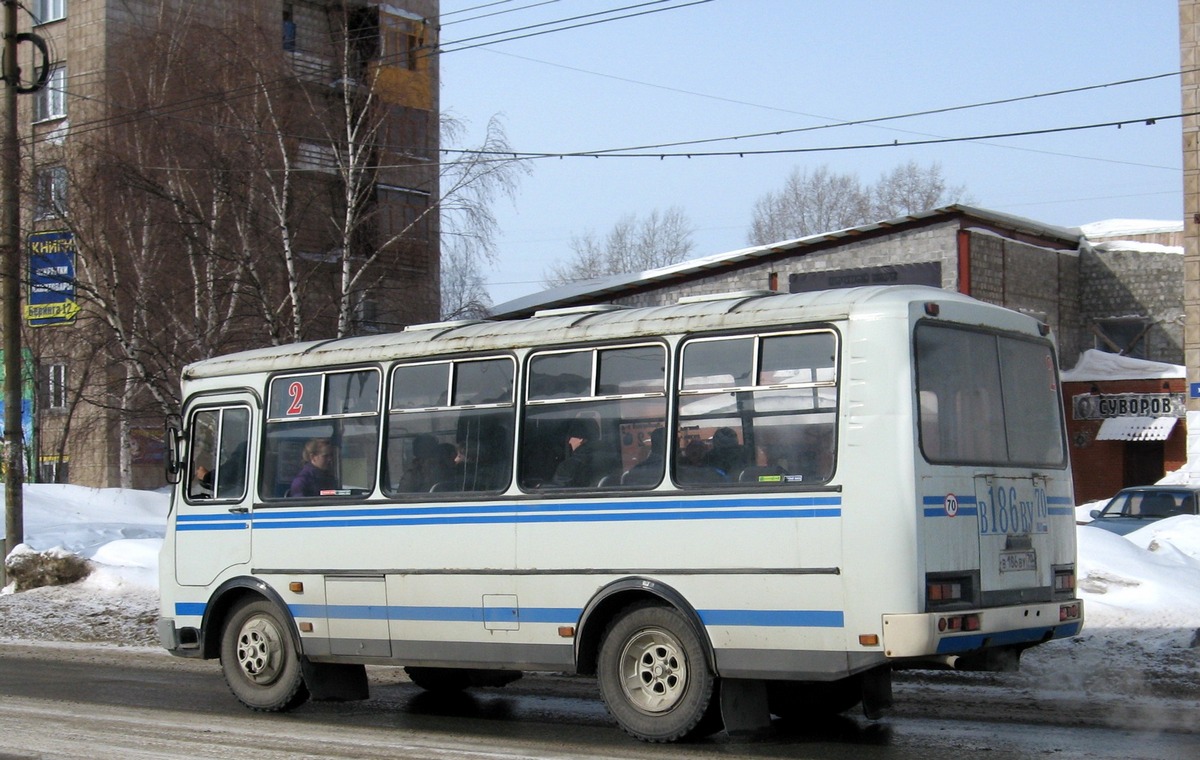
(877, 692)
(335, 683)
(744, 706)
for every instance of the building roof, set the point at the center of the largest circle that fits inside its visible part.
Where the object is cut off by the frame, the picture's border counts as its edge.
(1109, 229)
(613, 286)
(1095, 365)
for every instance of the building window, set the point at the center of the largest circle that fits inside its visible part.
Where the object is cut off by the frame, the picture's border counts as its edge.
(51, 191)
(51, 100)
(46, 11)
(404, 212)
(1125, 336)
(289, 28)
(53, 470)
(53, 382)
(51, 188)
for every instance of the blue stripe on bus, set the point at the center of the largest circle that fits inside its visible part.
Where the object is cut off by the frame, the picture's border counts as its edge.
(776, 618)
(523, 512)
(953, 644)
(935, 506)
(531, 615)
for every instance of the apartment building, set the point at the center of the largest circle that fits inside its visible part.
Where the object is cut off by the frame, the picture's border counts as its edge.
(209, 177)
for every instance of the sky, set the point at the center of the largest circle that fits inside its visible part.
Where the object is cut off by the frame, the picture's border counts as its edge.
(685, 70)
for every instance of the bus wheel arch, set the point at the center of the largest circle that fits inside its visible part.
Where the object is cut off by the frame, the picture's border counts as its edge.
(224, 599)
(612, 600)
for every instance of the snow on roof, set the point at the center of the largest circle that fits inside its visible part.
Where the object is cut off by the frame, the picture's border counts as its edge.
(1101, 365)
(1115, 228)
(1137, 246)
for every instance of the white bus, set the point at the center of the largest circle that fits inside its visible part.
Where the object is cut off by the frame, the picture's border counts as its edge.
(722, 509)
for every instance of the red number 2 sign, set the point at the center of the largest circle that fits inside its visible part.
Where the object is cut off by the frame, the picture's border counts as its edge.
(296, 393)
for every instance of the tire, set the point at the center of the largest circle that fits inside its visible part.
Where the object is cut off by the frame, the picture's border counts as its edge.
(805, 701)
(259, 658)
(654, 675)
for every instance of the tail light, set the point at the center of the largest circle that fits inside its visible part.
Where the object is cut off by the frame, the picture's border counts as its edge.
(1068, 612)
(1064, 580)
(959, 623)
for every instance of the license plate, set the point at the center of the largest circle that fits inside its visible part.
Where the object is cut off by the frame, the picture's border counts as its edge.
(1011, 562)
(1011, 506)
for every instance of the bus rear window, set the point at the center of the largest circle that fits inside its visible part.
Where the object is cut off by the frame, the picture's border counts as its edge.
(987, 399)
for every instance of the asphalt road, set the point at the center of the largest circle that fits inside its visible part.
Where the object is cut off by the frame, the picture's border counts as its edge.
(86, 702)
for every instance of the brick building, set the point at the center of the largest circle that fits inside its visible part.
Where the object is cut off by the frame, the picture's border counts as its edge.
(1108, 288)
(98, 415)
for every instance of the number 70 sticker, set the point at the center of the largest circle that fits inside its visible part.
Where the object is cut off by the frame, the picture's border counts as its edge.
(951, 504)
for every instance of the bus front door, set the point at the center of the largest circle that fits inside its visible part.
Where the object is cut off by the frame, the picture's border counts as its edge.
(213, 503)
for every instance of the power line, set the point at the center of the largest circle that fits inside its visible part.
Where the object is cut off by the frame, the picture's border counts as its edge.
(909, 115)
(476, 7)
(861, 121)
(132, 115)
(494, 13)
(513, 155)
(443, 48)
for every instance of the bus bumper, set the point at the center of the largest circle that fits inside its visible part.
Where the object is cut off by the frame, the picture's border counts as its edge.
(964, 631)
(179, 642)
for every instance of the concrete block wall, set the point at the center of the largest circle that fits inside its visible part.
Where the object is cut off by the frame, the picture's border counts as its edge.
(1118, 283)
(933, 243)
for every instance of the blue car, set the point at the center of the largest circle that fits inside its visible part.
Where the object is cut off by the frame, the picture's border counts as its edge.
(1137, 507)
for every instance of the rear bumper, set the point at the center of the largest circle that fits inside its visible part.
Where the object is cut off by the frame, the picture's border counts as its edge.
(924, 635)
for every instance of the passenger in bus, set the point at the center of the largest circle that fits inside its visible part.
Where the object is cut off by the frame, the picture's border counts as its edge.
(727, 455)
(585, 463)
(316, 475)
(693, 468)
(233, 471)
(480, 464)
(431, 463)
(649, 470)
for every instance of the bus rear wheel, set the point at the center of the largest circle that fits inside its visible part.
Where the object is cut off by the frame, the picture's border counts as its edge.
(259, 659)
(654, 675)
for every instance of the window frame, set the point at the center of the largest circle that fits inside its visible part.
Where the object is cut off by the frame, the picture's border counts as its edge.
(758, 389)
(338, 421)
(49, 11)
(50, 102)
(51, 185)
(924, 419)
(593, 402)
(394, 413)
(190, 491)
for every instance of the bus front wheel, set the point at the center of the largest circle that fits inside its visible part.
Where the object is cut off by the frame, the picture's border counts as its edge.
(653, 674)
(259, 659)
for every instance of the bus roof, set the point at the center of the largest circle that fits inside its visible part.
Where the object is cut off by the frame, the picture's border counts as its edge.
(580, 324)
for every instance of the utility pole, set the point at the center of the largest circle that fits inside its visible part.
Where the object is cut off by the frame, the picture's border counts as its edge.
(10, 274)
(10, 293)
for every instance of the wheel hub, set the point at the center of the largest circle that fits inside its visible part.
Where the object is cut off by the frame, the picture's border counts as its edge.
(259, 650)
(653, 671)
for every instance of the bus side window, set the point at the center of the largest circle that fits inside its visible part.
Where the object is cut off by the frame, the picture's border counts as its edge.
(590, 418)
(202, 453)
(218, 454)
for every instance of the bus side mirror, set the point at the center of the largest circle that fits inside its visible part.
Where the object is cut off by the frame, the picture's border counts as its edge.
(174, 448)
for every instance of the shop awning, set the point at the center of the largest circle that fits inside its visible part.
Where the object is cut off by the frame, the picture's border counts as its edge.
(1136, 428)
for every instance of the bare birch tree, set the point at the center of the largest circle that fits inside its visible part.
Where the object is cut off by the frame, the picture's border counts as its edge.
(659, 239)
(821, 200)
